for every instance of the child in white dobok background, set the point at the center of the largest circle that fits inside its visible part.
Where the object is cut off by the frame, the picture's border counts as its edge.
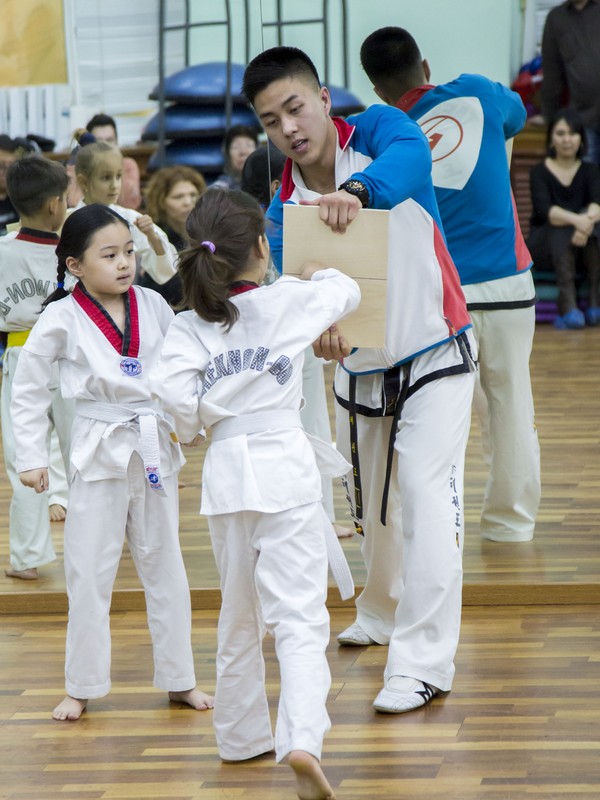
(37, 188)
(99, 171)
(233, 365)
(106, 336)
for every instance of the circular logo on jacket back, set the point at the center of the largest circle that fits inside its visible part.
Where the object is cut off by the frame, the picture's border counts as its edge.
(454, 129)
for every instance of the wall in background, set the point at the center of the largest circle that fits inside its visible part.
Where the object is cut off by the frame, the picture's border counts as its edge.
(112, 50)
(455, 36)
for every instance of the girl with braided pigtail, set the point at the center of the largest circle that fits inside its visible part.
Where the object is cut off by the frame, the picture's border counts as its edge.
(105, 337)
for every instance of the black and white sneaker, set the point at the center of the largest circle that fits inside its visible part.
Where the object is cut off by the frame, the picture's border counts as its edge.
(401, 694)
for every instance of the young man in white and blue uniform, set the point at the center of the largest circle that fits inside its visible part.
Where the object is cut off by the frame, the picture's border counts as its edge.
(468, 122)
(403, 410)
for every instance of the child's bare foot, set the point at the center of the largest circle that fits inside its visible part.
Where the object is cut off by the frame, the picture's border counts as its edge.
(56, 512)
(69, 709)
(310, 780)
(25, 574)
(341, 532)
(194, 698)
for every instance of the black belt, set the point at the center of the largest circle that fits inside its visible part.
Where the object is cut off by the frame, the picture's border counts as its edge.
(395, 394)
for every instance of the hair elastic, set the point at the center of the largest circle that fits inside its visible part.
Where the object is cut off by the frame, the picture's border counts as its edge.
(209, 245)
(60, 285)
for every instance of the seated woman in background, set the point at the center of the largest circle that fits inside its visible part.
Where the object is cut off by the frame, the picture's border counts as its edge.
(170, 195)
(565, 193)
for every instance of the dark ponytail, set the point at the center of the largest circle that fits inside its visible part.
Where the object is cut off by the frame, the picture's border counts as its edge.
(75, 238)
(223, 228)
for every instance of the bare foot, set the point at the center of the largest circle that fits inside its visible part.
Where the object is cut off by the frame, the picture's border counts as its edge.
(69, 709)
(56, 512)
(341, 532)
(194, 698)
(310, 780)
(24, 574)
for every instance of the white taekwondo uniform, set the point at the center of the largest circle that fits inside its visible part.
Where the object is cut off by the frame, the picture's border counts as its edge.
(27, 276)
(111, 498)
(261, 490)
(412, 405)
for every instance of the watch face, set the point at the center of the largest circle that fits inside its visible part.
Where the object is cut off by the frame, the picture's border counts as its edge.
(357, 188)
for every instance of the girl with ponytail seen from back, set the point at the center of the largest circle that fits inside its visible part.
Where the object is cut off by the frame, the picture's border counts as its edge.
(229, 249)
(233, 364)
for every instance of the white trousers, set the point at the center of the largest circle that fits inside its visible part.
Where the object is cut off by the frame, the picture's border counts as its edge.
(273, 570)
(30, 535)
(412, 596)
(504, 404)
(315, 416)
(101, 515)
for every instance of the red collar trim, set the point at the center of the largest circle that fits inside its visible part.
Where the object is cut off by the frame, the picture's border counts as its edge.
(125, 345)
(239, 287)
(344, 132)
(38, 237)
(412, 97)
(133, 348)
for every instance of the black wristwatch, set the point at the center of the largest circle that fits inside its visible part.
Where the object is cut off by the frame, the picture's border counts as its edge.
(358, 189)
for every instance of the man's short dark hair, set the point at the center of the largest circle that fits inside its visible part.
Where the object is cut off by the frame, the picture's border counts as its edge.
(99, 121)
(33, 180)
(389, 56)
(275, 64)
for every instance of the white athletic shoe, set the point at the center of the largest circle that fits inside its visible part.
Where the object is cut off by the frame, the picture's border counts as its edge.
(354, 636)
(401, 694)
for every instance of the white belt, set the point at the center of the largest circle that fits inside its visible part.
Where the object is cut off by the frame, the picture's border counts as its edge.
(146, 413)
(229, 427)
(330, 462)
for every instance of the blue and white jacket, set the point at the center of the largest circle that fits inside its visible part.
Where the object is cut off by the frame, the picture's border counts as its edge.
(467, 123)
(388, 152)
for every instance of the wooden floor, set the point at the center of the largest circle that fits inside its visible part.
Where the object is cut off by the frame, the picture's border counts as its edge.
(561, 565)
(522, 721)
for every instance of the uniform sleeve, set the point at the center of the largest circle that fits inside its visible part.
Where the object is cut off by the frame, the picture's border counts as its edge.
(503, 103)
(160, 268)
(513, 111)
(274, 230)
(339, 295)
(31, 396)
(176, 380)
(401, 155)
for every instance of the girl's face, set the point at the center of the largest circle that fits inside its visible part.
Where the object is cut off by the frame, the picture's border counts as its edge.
(104, 184)
(565, 140)
(179, 202)
(239, 150)
(107, 267)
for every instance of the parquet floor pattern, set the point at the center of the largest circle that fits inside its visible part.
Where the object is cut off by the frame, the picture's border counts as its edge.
(562, 564)
(522, 721)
